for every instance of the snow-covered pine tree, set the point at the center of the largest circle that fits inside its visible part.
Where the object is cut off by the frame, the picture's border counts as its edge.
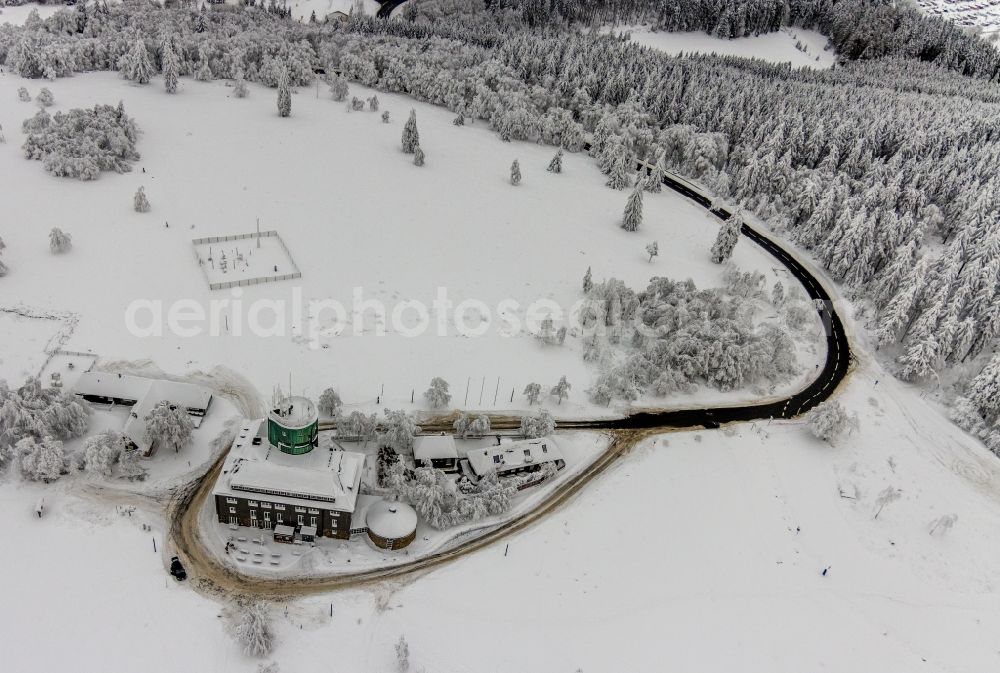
(653, 250)
(632, 217)
(727, 238)
(418, 156)
(240, 85)
(168, 426)
(59, 241)
(284, 95)
(618, 164)
(588, 281)
(253, 631)
(654, 183)
(515, 173)
(437, 394)
(135, 64)
(385, 117)
(373, 103)
(532, 391)
(459, 119)
(140, 202)
(411, 136)
(339, 88)
(778, 294)
(171, 67)
(555, 166)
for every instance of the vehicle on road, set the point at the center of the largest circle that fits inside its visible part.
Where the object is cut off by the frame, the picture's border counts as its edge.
(177, 570)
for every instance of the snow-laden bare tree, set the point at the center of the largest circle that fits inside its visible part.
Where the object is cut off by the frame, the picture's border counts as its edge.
(555, 166)
(59, 241)
(135, 64)
(284, 96)
(411, 136)
(829, 420)
(561, 389)
(437, 394)
(726, 239)
(45, 98)
(402, 655)
(539, 425)
(886, 497)
(532, 391)
(398, 430)
(329, 402)
(632, 217)
(465, 425)
(40, 459)
(653, 250)
(418, 156)
(942, 524)
(102, 451)
(168, 426)
(140, 202)
(357, 425)
(253, 630)
(515, 173)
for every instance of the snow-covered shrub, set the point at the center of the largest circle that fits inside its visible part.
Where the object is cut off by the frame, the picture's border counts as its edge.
(339, 88)
(418, 156)
(3, 267)
(539, 425)
(140, 202)
(83, 142)
(23, 95)
(240, 86)
(60, 241)
(555, 166)
(253, 631)
(515, 173)
(653, 250)
(385, 117)
(437, 394)
(373, 103)
(128, 465)
(829, 420)
(45, 98)
(168, 426)
(402, 655)
(284, 96)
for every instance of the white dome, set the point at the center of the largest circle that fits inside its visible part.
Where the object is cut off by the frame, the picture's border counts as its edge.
(391, 520)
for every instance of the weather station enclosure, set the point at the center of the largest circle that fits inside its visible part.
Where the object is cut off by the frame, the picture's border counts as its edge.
(293, 426)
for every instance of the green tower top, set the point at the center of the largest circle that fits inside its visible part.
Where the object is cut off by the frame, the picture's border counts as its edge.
(293, 426)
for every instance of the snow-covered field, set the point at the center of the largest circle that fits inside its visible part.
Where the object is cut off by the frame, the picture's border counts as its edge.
(717, 566)
(779, 47)
(983, 14)
(16, 16)
(360, 221)
(24, 340)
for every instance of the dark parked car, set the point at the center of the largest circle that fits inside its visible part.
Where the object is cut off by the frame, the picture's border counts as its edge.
(177, 570)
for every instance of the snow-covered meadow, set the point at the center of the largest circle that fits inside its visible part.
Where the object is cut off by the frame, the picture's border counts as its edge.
(360, 221)
(779, 47)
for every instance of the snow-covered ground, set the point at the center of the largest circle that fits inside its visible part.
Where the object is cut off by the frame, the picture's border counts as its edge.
(333, 557)
(25, 339)
(359, 220)
(779, 47)
(973, 14)
(705, 549)
(302, 9)
(16, 16)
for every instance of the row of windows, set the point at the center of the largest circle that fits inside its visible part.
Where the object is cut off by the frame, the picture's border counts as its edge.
(267, 505)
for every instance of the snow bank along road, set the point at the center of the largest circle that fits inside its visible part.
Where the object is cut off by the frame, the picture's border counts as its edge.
(211, 576)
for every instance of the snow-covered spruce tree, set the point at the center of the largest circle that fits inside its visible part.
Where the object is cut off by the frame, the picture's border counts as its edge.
(398, 431)
(402, 655)
(588, 281)
(561, 389)
(168, 426)
(654, 183)
(373, 103)
(459, 119)
(418, 156)
(240, 85)
(726, 239)
(978, 410)
(40, 459)
(437, 394)
(515, 173)
(23, 95)
(284, 96)
(339, 88)
(102, 451)
(829, 420)
(135, 64)
(555, 166)
(45, 98)
(329, 402)
(539, 425)
(632, 217)
(618, 164)
(59, 241)
(385, 117)
(171, 67)
(778, 294)
(653, 250)
(357, 104)
(532, 391)
(411, 136)
(253, 631)
(140, 202)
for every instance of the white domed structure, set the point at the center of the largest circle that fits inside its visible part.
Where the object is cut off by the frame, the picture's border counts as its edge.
(391, 524)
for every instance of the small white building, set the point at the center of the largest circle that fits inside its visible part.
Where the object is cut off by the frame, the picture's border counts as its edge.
(515, 457)
(142, 394)
(436, 451)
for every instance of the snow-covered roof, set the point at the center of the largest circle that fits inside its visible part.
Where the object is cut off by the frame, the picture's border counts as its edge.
(513, 455)
(283, 529)
(294, 412)
(434, 447)
(390, 519)
(321, 478)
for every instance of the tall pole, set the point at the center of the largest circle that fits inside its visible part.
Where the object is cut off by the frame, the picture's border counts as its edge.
(496, 392)
(258, 236)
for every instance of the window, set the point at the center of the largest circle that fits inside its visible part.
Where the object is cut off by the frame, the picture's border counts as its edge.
(497, 460)
(527, 453)
(313, 511)
(300, 509)
(265, 505)
(233, 521)
(232, 510)
(301, 519)
(280, 518)
(545, 448)
(253, 515)
(252, 503)
(231, 501)
(280, 507)
(267, 516)
(312, 521)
